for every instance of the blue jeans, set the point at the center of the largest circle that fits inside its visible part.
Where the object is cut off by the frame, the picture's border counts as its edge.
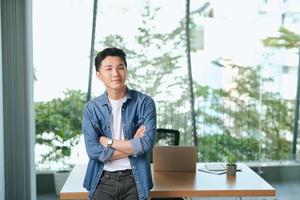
(119, 185)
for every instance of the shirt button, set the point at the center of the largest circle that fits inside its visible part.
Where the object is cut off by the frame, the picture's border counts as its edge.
(132, 167)
(137, 182)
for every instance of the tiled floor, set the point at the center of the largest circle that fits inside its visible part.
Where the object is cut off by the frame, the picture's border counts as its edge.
(287, 190)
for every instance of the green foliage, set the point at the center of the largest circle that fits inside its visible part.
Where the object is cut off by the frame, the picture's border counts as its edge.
(287, 39)
(231, 160)
(276, 123)
(58, 124)
(233, 116)
(278, 109)
(216, 148)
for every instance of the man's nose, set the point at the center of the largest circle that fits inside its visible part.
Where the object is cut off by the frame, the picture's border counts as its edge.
(115, 72)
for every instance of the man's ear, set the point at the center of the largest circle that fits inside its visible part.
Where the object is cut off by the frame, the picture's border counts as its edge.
(98, 74)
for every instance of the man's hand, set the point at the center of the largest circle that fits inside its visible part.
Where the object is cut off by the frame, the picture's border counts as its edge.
(103, 141)
(140, 132)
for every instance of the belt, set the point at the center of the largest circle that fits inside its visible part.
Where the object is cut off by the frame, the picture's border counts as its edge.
(126, 171)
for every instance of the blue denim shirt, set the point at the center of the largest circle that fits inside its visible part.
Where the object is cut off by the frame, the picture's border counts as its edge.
(138, 109)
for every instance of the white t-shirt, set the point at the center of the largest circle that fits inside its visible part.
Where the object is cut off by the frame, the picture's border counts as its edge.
(117, 133)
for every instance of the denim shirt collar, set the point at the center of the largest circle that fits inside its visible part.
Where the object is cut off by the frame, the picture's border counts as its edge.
(103, 99)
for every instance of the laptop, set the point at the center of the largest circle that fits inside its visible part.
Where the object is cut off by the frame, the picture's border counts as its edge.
(174, 158)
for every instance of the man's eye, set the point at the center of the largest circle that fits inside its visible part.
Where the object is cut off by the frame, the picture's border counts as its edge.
(107, 69)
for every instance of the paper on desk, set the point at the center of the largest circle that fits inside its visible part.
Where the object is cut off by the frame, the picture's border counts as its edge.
(219, 167)
(216, 168)
(204, 169)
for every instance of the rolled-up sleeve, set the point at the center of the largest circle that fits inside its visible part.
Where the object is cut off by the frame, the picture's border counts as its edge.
(91, 133)
(142, 145)
(137, 147)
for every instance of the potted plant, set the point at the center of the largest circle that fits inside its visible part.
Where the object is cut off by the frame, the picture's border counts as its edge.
(231, 165)
(58, 130)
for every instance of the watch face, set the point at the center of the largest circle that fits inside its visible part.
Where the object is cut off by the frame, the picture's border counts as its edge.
(109, 142)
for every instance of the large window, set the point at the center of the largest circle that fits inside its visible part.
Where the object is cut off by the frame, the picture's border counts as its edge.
(240, 75)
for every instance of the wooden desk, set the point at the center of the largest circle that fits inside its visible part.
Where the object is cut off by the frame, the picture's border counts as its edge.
(185, 184)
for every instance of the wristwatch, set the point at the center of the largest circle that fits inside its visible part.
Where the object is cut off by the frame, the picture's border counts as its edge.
(109, 142)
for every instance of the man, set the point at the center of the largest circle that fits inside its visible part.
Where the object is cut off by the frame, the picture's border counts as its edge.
(119, 131)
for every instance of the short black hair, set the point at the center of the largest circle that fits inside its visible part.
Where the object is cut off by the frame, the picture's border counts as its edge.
(112, 51)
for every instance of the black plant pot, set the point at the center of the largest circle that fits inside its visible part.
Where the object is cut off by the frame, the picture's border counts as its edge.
(231, 169)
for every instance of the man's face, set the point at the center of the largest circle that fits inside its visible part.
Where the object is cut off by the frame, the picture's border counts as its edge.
(112, 73)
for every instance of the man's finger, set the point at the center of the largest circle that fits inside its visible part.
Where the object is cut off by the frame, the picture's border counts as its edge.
(141, 129)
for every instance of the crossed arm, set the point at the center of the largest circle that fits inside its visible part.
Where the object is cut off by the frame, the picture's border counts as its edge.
(122, 148)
